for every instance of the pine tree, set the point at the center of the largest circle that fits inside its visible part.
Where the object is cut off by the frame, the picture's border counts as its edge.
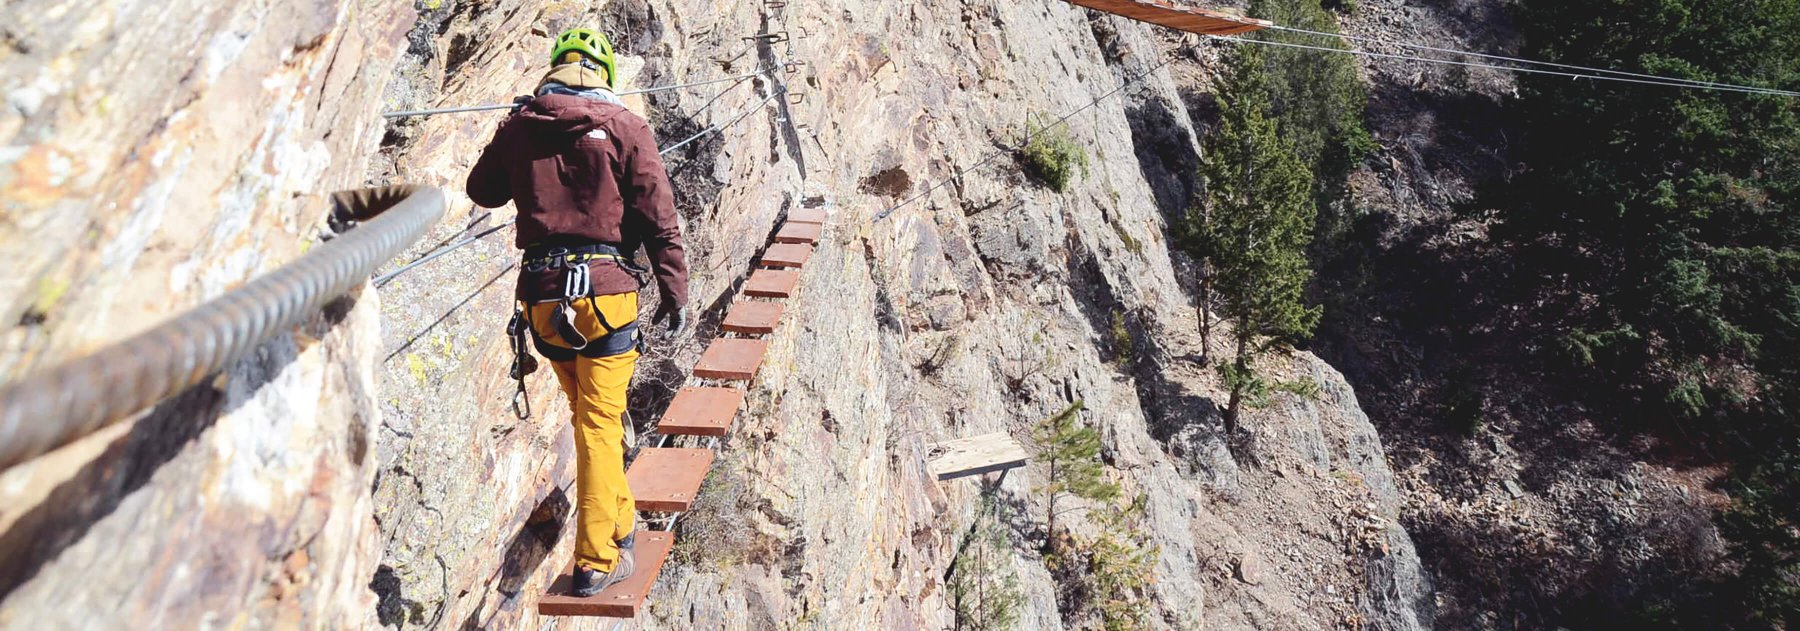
(1257, 227)
(1316, 99)
(984, 589)
(1657, 233)
(1661, 221)
(1122, 566)
(1072, 453)
(1316, 103)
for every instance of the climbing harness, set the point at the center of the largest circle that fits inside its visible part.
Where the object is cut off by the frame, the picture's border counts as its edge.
(569, 257)
(577, 282)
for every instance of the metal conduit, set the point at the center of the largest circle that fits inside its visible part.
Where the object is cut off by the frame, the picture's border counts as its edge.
(52, 408)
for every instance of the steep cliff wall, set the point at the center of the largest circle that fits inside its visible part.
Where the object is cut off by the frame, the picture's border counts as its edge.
(987, 306)
(984, 307)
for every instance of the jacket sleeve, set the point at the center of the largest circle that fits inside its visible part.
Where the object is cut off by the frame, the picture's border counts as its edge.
(489, 185)
(650, 210)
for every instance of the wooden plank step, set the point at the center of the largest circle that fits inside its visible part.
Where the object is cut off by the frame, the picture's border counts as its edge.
(977, 455)
(772, 283)
(792, 232)
(806, 215)
(731, 359)
(701, 412)
(667, 480)
(623, 600)
(787, 255)
(753, 318)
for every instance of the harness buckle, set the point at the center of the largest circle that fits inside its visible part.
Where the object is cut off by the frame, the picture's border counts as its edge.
(579, 281)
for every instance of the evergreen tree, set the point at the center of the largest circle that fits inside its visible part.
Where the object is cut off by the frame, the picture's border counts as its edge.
(1663, 219)
(1659, 234)
(1122, 566)
(1256, 228)
(984, 589)
(1316, 99)
(1072, 453)
(1317, 103)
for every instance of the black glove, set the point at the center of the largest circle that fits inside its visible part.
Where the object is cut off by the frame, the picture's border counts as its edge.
(675, 316)
(519, 102)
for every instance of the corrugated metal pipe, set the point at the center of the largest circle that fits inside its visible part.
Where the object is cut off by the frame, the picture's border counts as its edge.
(55, 407)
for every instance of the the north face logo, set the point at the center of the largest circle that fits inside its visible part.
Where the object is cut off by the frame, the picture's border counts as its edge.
(598, 134)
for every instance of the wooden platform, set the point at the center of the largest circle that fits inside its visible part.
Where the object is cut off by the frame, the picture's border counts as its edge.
(668, 480)
(731, 359)
(753, 318)
(619, 601)
(701, 412)
(1192, 20)
(794, 232)
(787, 255)
(977, 455)
(772, 283)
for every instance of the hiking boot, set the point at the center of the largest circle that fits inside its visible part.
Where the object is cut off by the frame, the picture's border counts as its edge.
(589, 582)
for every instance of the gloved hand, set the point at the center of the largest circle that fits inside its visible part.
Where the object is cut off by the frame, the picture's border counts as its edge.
(519, 102)
(675, 316)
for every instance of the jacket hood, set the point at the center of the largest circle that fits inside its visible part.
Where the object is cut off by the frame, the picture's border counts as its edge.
(566, 114)
(575, 76)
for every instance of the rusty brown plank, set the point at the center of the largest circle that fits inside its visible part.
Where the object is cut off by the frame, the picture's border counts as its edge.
(787, 255)
(1190, 19)
(701, 412)
(794, 232)
(752, 318)
(667, 480)
(731, 359)
(623, 600)
(771, 283)
(806, 215)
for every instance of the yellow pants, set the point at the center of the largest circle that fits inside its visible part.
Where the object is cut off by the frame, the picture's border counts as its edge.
(605, 512)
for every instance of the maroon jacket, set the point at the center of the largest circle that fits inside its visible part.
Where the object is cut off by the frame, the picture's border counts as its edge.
(584, 171)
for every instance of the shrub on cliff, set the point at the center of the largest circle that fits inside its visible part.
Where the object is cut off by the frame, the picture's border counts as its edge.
(1052, 156)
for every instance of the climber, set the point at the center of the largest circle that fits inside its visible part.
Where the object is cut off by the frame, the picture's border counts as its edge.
(590, 190)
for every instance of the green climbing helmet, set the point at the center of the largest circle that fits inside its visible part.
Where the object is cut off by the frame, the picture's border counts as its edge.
(591, 44)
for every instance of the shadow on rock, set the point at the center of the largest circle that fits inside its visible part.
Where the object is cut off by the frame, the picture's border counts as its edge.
(1165, 155)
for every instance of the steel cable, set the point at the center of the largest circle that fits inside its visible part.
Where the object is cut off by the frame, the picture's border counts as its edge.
(52, 408)
(959, 173)
(1470, 64)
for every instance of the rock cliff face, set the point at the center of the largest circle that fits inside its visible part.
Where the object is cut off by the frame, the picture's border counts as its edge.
(393, 485)
(154, 154)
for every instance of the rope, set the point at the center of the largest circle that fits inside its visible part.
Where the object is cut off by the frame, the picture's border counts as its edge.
(1648, 79)
(1382, 42)
(663, 88)
(1470, 64)
(991, 157)
(384, 278)
(719, 128)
